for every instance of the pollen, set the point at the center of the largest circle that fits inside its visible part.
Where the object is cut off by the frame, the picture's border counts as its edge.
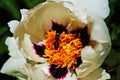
(67, 51)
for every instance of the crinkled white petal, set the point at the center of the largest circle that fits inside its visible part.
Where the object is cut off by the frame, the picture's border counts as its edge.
(96, 7)
(88, 54)
(13, 47)
(15, 64)
(102, 50)
(89, 59)
(81, 14)
(13, 25)
(29, 51)
(97, 74)
(35, 72)
(100, 33)
(24, 14)
(14, 67)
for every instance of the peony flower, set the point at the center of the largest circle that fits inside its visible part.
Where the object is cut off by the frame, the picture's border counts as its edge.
(59, 40)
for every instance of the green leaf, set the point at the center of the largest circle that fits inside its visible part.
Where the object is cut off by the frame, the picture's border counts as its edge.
(12, 8)
(3, 30)
(113, 56)
(32, 3)
(115, 31)
(118, 72)
(3, 47)
(113, 77)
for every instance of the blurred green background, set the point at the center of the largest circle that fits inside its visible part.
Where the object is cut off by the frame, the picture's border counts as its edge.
(9, 10)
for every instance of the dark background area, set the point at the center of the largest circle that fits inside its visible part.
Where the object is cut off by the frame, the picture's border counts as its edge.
(10, 10)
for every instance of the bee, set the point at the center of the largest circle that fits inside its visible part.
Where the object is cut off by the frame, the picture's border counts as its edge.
(56, 43)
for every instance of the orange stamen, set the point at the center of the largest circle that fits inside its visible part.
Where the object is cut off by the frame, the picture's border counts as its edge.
(68, 51)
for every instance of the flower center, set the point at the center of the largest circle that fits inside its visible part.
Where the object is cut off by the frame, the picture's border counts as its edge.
(62, 49)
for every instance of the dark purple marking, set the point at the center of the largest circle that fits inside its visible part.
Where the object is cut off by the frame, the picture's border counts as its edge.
(59, 28)
(79, 61)
(84, 35)
(39, 49)
(58, 72)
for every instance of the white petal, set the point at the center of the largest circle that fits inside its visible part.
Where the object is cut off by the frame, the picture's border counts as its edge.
(88, 51)
(100, 31)
(35, 72)
(71, 5)
(102, 53)
(89, 60)
(98, 74)
(14, 67)
(81, 14)
(15, 64)
(100, 34)
(13, 47)
(92, 59)
(29, 51)
(13, 25)
(96, 7)
(24, 14)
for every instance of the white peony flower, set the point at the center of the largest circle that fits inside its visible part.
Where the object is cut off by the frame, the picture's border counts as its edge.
(59, 40)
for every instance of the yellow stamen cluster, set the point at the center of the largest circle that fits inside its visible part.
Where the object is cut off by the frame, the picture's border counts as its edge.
(68, 51)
